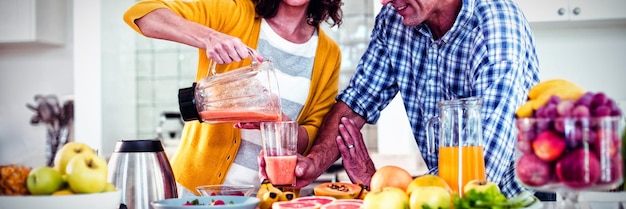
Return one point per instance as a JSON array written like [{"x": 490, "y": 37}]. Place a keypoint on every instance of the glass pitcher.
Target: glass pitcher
[
  {"x": 247, "y": 94},
  {"x": 461, "y": 157}
]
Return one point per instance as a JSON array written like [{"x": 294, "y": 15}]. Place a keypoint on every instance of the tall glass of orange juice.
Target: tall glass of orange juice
[
  {"x": 461, "y": 157},
  {"x": 280, "y": 139}
]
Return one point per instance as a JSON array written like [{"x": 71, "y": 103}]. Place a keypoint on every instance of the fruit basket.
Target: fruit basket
[
  {"x": 569, "y": 146},
  {"x": 103, "y": 200}
]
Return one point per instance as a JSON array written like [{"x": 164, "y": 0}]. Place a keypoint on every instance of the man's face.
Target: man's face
[{"x": 414, "y": 12}]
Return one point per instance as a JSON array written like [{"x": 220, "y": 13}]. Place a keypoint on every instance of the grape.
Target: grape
[
  {"x": 564, "y": 108},
  {"x": 585, "y": 99},
  {"x": 616, "y": 112},
  {"x": 559, "y": 125},
  {"x": 599, "y": 99},
  {"x": 540, "y": 112},
  {"x": 550, "y": 110},
  {"x": 554, "y": 100},
  {"x": 581, "y": 111},
  {"x": 602, "y": 111}
]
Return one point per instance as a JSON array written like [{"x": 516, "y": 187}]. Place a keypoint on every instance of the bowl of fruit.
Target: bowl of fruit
[
  {"x": 226, "y": 190},
  {"x": 570, "y": 143},
  {"x": 230, "y": 202},
  {"x": 78, "y": 179}
]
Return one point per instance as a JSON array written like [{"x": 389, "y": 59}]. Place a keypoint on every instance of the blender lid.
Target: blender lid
[
  {"x": 142, "y": 145},
  {"x": 187, "y": 103}
]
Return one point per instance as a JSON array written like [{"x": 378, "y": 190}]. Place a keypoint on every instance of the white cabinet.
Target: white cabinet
[
  {"x": 572, "y": 10},
  {"x": 33, "y": 21}
]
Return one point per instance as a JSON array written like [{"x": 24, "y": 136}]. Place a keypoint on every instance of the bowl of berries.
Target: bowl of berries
[
  {"x": 572, "y": 144},
  {"x": 226, "y": 190},
  {"x": 227, "y": 202}
]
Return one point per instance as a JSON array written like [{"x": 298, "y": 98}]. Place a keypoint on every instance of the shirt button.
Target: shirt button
[
  {"x": 234, "y": 141},
  {"x": 219, "y": 175},
  {"x": 228, "y": 157},
  {"x": 431, "y": 82}
]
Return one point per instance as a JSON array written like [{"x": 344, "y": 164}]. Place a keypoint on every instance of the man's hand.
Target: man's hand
[{"x": 356, "y": 159}]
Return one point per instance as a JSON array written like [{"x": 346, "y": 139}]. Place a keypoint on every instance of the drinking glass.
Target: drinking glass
[{"x": 280, "y": 139}]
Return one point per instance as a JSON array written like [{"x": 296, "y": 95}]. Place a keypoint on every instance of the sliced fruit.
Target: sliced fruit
[
  {"x": 296, "y": 205},
  {"x": 342, "y": 205},
  {"x": 322, "y": 200},
  {"x": 338, "y": 190}
]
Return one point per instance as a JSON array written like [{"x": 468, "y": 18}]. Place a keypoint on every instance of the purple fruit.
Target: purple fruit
[
  {"x": 565, "y": 107},
  {"x": 524, "y": 141},
  {"x": 533, "y": 171},
  {"x": 601, "y": 111},
  {"x": 578, "y": 169},
  {"x": 598, "y": 99},
  {"x": 581, "y": 111},
  {"x": 585, "y": 99}
]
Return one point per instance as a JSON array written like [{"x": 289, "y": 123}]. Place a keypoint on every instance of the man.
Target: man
[{"x": 429, "y": 51}]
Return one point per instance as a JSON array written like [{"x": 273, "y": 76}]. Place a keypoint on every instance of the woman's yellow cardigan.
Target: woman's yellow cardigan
[{"x": 207, "y": 151}]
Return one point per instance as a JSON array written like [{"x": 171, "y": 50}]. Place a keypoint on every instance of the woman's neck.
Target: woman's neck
[{"x": 290, "y": 23}]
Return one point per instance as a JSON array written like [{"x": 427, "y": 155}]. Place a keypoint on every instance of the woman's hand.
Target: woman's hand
[
  {"x": 356, "y": 159},
  {"x": 223, "y": 49}
]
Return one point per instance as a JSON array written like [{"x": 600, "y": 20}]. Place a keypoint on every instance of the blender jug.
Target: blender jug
[
  {"x": 461, "y": 157},
  {"x": 247, "y": 94}
]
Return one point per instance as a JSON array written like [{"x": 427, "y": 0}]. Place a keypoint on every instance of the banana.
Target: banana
[
  {"x": 563, "y": 92},
  {"x": 526, "y": 110},
  {"x": 266, "y": 186},
  {"x": 286, "y": 196},
  {"x": 268, "y": 199},
  {"x": 541, "y": 87},
  {"x": 262, "y": 189}
]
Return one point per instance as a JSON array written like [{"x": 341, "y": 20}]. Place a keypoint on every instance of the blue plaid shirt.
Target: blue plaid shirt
[{"x": 489, "y": 53}]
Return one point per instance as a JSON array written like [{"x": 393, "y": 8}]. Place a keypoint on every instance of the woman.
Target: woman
[{"x": 285, "y": 31}]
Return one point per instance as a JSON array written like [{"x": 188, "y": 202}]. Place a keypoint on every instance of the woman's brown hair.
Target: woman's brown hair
[{"x": 318, "y": 11}]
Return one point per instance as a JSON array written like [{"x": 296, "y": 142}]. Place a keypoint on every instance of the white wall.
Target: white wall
[
  {"x": 94, "y": 66},
  {"x": 27, "y": 70}
]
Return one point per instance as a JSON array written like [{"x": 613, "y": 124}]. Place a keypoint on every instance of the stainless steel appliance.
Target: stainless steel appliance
[{"x": 141, "y": 170}]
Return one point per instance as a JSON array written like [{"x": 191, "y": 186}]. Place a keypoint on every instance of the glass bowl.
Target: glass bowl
[
  {"x": 567, "y": 155},
  {"x": 226, "y": 190},
  {"x": 230, "y": 202}
]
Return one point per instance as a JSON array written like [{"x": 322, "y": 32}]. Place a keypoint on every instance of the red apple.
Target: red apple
[
  {"x": 533, "y": 171},
  {"x": 548, "y": 145},
  {"x": 578, "y": 169},
  {"x": 606, "y": 143}
]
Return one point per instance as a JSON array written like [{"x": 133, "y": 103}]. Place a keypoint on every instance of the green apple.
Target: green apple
[
  {"x": 430, "y": 197},
  {"x": 481, "y": 186},
  {"x": 388, "y": 198},
  {"x": 67, "y": 152},
  {"x": 87, "y": 173},
  {"x": 44, "y": 180}
]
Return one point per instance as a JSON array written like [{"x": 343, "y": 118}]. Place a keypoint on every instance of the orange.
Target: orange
[
  {"x": 390, "y": 176},
  {"x": 427, "y": 180}
]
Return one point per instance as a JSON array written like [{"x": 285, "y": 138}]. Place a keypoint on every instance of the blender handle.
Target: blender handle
[
  {"x": 212, "y": 64},
  {"x": 430, "y": 134}
]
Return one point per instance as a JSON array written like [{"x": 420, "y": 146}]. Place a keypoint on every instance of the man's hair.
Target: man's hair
[{"x": 318, "y": 11}]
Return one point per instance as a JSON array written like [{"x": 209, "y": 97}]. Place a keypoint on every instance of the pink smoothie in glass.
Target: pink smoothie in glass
[{"x": 281, "y": 170}]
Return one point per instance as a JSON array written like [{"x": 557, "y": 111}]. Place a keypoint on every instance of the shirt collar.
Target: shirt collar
[{"x": 464, "y": 16}]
